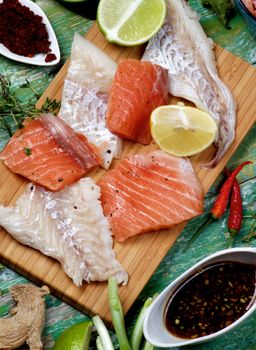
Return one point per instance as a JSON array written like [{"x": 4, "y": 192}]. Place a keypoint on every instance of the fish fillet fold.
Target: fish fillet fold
[
  {"x": 85, "y": 97},
  {"x": 149, "y": 192},
  {"x": 68, "y": 226},
  {"x": 182, "y": 47}
]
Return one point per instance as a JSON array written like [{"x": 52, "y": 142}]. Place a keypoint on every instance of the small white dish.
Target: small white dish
[
  {"x": 38, "y": 59},
  {"x": 154, "y": 328}
]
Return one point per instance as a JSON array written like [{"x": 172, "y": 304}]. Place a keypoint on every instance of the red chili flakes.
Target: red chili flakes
[
  {"x": 22, "y": 31},
  {"x": 50, "y": 57}
]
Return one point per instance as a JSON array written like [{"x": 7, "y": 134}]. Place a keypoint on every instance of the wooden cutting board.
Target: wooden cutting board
[{"x": 141, "y": 255}]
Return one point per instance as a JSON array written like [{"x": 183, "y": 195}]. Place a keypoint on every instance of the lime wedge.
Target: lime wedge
[
  {"x": 130, "y": 22},
  {"x": 76, "y": 337}
]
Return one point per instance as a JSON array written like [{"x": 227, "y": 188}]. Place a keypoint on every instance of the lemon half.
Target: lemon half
[{"x": 182, "y": 130}]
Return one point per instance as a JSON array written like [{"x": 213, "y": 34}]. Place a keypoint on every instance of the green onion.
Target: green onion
[
  {"x": 99, "y": 344},
  {"x": 148, "y": 346},
  {"x": 137, "y": 331},
  {"x": 105, "y": 339},
  {"x": 117, "y": 314}
]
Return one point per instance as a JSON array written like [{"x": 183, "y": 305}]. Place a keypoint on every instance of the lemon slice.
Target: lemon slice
[
  {"x": 130, "y": 22},
  {"x": 76, "y": 337},
  {"x": 182, "y": 130}
]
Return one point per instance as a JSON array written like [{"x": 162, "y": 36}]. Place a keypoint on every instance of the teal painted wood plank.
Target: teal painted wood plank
[
  {"x": 238, "y": 39},
  {"x": 59, "y": 315}
]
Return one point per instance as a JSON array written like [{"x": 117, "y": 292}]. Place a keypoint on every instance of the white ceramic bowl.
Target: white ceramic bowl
[
  {"x": 38, "y": 59},
  {"x": 154, "y": 328}
]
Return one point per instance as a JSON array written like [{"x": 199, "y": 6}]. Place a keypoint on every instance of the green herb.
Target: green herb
[
  {"x": 14, "y": 109},
  {"x": 27, "y": 151},
  {"x": 223, "y": 9}
]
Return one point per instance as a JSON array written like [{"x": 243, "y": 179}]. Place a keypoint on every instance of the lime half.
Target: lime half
[
  {"x": 76, "y": 337},
  {"x": 130, "y": 22}
]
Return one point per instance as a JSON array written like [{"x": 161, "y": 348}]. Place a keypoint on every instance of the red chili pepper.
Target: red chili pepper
[
  {"x": 236, "y": 209},
  {"x": 221, "y": 201}
]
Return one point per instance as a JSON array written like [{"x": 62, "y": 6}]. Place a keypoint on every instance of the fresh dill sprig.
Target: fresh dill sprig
[{"x": 13, "y": 110}]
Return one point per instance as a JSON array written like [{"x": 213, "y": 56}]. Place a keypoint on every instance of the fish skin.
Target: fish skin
[
  {"x": 68, "y": 226},
  {"x": 149, "y": 192},
  {"x": 59, "y": 156},
  {"x": 138, "y": 88},
  {"x": 182, "y": 47},
  {"x": 85, "y": 97}
]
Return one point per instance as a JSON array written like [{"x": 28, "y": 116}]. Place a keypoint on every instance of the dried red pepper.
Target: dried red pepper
[
  {"x": 236, "y": 208},
  {"x": 220, "y": 205},
  {"x": 221, "y": 202},
  {"x": 21, "y": 30}
]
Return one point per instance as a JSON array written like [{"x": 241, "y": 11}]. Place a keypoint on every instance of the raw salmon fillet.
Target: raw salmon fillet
[
  {"x": 48, "y": 152},
  {"x": 138, "y": 88},
  {"x": 149, "y": 192}
]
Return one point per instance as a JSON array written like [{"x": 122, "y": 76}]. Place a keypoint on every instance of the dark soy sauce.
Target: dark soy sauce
[{"x": 210, "y": 300}]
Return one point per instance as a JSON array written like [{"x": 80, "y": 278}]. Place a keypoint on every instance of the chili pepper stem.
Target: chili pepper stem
[{"x": 197, "y": 233}]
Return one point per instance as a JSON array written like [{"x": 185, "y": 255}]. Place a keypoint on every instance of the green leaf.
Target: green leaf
[
  {"x": 28, "y": 151},
  {"x": 222, "y": 8}
]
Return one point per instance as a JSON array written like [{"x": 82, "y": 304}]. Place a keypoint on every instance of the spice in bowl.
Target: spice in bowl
[
  {"x": 212, "y": 299},
  {"x": 22, "y": 31}
]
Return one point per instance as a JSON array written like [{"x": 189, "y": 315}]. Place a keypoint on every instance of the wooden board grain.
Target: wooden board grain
[{"x": 141, "y": 255}]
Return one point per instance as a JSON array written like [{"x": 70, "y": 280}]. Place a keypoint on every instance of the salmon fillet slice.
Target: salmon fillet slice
[
  {"x": 149, "y": 192},
  {"x": 138, "y": 88},
  {"x": 48, "y": 152}
]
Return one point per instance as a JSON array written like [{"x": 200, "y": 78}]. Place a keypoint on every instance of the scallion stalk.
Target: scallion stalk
[
  {"x": 148, "y": 346},
  {"x": 137, "y": 331},
  {"x": 117, "y": 314},
  {"x": 99, "y": 343},
  {"x": 105, "y": 339}
]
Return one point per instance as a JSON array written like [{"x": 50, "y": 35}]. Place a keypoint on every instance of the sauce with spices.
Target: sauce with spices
[
  {"x": 212, "y": 299},
  {"x": 22, "y": 31}
]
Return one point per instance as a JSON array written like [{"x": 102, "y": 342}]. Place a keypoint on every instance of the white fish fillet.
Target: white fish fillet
[
  {"x": 68, "y": 226},
  {"x": 85, "y": 97},
  {"x": 182, "y": 47}
]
